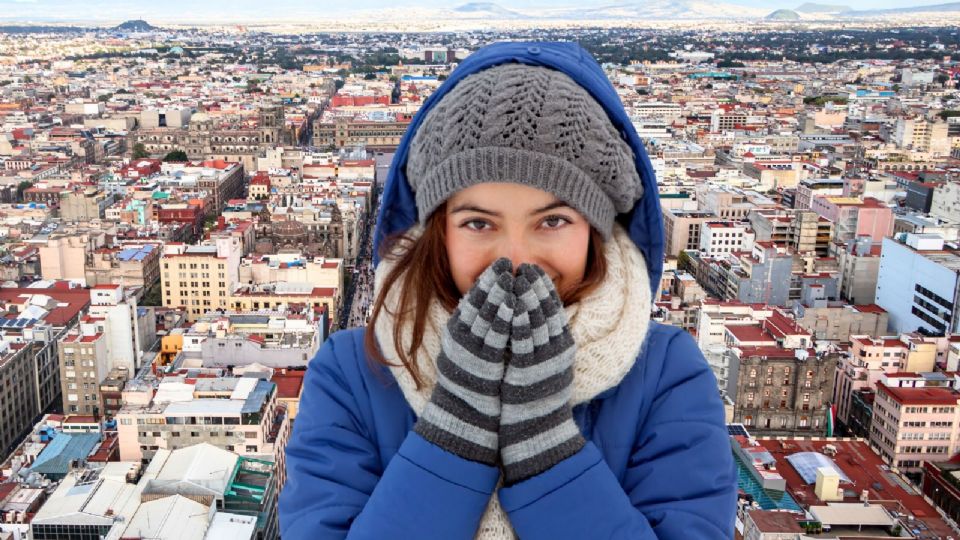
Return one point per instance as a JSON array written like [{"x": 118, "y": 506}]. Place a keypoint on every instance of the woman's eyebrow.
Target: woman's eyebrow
[
  {"x": 551, "y": 206},
  {"x": 473, "y": 208}
]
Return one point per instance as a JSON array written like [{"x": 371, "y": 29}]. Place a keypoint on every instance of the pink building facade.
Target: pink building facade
[{"x": 853, "y": 217}]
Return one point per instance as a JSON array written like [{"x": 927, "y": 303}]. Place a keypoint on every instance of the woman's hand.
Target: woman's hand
[
  {"x": 537, "y": 430},
  {"x": 463, "y": 415}
]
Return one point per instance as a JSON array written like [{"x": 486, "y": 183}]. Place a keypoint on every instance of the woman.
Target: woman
[{"x": 510, "y": 382}]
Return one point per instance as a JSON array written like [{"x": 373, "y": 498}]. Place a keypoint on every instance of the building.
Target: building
[
  {"x": 132, "y": 265},
  {"x": 809, "y": 188},
  {"x": 281, "y": 339},
  {"x": 108, "y": 341},
  {"x": 853, "y": 217},
  {"x": 196, "y": 493},
  {"x": 682, "y": 229},
  {"x": 913, "y": 425},
  {"x": 764, "y": 276},
  {"x": 380, "y": 135},
  {"x": 222, "y": 178},
  {"x": 201, "y": 278},
  {"x": 206, "y": 138},
  {"x": 922, "y": 135},
  {"x": 83, "y": 204},
  {"x": 719, "y": 237},
  {"x": 62, "y": 256},
  {"x": 778, "y": 383},
  {"x": 919, "y": 284},
  {"x": 941, "y": 483},
  {"x": 945, "y": 201},
  {"x": 191, "y": 215},
  {"x": 83, "y": 365},
  {"x": 837, "y": 322},
  {"x": 236, "y": 414},
  {"x": 859, "y": 262},
  {"x": 34, "y": 320},
  {"x": 292, "y": 268},
  {"x": 869, "y": 359},
  {"x": 801, "y": 230},
  {"x": 837, "y": 488}
]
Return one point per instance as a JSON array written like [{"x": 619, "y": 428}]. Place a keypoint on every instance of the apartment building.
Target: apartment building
[{"x": 199, "y": 279}]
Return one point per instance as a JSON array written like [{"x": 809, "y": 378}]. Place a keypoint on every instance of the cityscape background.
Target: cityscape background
[{"x": 187, "y": 200}]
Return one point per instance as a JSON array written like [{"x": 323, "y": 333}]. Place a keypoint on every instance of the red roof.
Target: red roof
[
  {"x": 75, "y": 300},
  {"x": 865, "y": 468},
  {"x": 750, "y": 334},
  {"x": 770, "y": 352},
  {"x": 289, "y": 383},
  {"x": 921, "y": 396}
]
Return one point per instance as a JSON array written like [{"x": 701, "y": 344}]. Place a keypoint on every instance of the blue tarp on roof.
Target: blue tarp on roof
[
  {"x": 257, "y": 396},
  {"x": 55, "y": 458},
  {"x": 136, "y": 254}
]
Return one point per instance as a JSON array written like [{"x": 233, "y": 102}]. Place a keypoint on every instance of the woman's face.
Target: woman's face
[{"x": 491, "y": 220}]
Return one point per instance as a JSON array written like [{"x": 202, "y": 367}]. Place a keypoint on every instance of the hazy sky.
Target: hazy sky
[{"x": 206, "y": 10}]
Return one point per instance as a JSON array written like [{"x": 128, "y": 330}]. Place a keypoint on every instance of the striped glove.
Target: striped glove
[
  {"x": 537, "y": 430},
  {"x": 463, "y": 415}
]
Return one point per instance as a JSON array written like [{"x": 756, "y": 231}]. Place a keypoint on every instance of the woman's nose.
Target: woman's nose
[{"x": 519, "y": 251}]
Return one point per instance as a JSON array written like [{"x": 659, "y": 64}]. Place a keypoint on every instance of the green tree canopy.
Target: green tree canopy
[
  {"x": 176, "y": 155},
  {"x": 140, "y": 151}
]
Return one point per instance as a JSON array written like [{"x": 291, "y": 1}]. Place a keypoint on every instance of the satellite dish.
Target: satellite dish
[{"x": 798, "y": 311}]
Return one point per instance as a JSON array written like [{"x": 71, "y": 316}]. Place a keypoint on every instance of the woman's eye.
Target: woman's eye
[
  {"x": 476, "y": 225},
  {"x": 555, "y": 222}
]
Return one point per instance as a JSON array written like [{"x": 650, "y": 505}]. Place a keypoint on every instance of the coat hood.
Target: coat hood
[{"x": 643, "y": 223}]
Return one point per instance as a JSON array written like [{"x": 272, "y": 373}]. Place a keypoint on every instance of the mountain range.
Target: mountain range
[
  {"x": 480, "y": 12},
  {"x": 684, "y": 9}
]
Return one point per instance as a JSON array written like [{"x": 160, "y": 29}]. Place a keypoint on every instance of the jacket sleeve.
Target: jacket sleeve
[
  {"x": 680, "y": 481},
  {"x": 337, "y": 488}
]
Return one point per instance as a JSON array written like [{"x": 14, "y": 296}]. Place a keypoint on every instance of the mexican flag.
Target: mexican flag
[{"x": 830, "y": 413}]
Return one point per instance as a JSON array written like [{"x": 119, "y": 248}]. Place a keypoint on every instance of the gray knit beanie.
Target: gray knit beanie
[{"x": 527, "y": 125}]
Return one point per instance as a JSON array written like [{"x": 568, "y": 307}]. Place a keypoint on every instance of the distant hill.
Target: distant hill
[
  {"x": 135, "y": 26},
  {"x": 936, "y": 8},
  {"x": 811, "y": 7},
  {"x": 487, "y": 9},
  {"x": 783, "y": 15}
]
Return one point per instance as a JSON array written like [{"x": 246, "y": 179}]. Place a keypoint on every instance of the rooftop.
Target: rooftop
[
  {"x": 866, "y": 471},
  {"x": 921, "y": 396}
]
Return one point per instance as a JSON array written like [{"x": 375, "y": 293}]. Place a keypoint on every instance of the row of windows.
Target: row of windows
[
  {"x": 933, "y": 296},
  {"x": 923, "y": 316}
]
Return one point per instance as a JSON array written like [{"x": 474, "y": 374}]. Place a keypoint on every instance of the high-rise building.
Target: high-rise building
[{"x": 919, "y": 284}]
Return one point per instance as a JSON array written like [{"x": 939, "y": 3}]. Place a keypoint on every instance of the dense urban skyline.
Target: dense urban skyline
[{"x": 183, "y": 11}]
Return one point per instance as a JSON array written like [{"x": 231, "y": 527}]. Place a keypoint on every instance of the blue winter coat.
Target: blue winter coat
[{"x": 657, "y": 463}]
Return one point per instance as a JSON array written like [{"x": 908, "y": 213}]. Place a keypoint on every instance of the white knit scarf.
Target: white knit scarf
[{"x": 608, "y": 326}]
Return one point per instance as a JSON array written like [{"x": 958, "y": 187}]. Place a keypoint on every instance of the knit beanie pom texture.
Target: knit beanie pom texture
[{"x": 527, "y": 125}]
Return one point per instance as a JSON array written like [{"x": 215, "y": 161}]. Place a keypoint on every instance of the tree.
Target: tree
[
  {"x": 176, "y": 155},
  {"x": 21, "y": 187},
  {"x": 140, "y": 151},
  {"x": 152, "y": 297}
]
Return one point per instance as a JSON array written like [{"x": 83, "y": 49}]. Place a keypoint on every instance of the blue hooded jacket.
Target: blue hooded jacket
[{"x": 657, "y": 463}]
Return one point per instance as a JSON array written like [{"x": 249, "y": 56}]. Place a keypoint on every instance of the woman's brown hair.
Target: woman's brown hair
[{"x": 423, "y": 271}]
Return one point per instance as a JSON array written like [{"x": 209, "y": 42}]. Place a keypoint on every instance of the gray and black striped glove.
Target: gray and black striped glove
[
  {"x": 463, "y": 415},
  {"x": 537, "y": 430}
]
